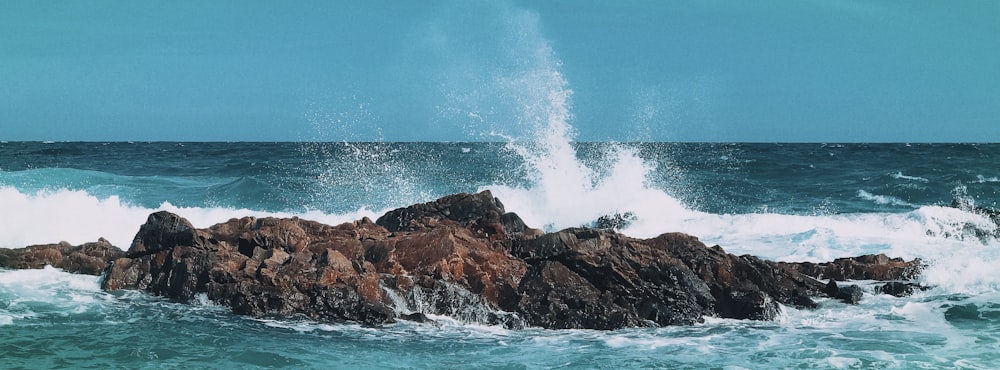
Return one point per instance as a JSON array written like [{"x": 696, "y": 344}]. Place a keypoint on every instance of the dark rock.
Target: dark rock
[
  {"x": 899, "y": 289},
  {"x": 88, "y": 258},
  {"x": 463, "y": 256},
  {"x": 969, "y": 229},
  {"x": 848, "y": 294},
  {"x": 585, "y": 278},
  {"x": 479, "y": 212},
  {"x": 867, "y": 267},
  {"x": 162, "y": 230},
  {"x": 615, "y": 221},
  {"x": 285, "y": 267},
  {"x": 965, "y": 205},
  {"x": 416, "y": 317},
  {"x": 725, "y": 273}
]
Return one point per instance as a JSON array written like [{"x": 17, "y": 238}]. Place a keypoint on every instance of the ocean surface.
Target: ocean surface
[
  {"x": 789, "y": 202},
  {"x": 526, "y": 87}
]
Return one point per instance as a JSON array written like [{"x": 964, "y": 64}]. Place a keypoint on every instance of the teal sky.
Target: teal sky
[{"x": 811, "y": 70}]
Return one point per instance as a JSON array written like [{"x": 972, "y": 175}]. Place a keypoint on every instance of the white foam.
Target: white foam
[
  {"x": 884, "y": 199},
  {"x": 65, "y": 215},
  {"x": 564, "y": 192},
  {"x": 40, "y": 283},
  {"x": 77, "y": 217},
  {"x": 900, "y": 175},
  {"x": 983, "y": 179},
  {"x": 957, "y": 245},
  {"x": 47, "y": 291}
]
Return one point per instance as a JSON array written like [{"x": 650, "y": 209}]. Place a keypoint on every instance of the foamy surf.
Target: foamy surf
[
  {"x": 30, "y": 294},
  {"x": 77, "y": 217}
]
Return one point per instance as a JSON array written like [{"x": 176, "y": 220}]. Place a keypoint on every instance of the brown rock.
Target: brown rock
[
  {"x": 867, "y": 267},
  {"x": 462, "y": 255},
  {"x": 282, "y": 267},
  {"x": 480, "y": 212},
  {"x": 88, "y": 258},
  {"x": 600, "y": 279}
]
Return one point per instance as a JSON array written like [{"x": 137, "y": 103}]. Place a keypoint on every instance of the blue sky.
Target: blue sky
[{"x": 817, "y": 71}]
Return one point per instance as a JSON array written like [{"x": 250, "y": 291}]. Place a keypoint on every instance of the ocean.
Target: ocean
[
  {"x": 565, "y": 111},
  {"x": 788, "y": 202}
]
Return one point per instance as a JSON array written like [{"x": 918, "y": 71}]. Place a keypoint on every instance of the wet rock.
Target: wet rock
[
  {"x": 967, "y": 206},
  {"x": 615, "y": 221},
  {"x": 416, "y": 317},
  {"x": 287, "y": 267},
  {"x": 480, "y": 212},
  {"x": 585, "y": 278},
  {"x": 899, "y": 289},
  {"x": 726, "y": 273},
  {"x": 88, "y": 258},
  {"x": 868, "y": 267},
  {"x": 463, "y": 256},
  {"x": 258, "y": 267},
  {"x": 851, "y": 294}
]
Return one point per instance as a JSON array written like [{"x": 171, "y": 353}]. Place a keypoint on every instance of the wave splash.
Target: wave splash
[
  {"x": 558, "y": 190},
  {"x": 77, "y": 217}
]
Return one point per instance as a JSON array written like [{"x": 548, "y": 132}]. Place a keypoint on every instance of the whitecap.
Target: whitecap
[
  {"x": 77, "y": 217},
  {"x": 884, "y": 199},
  {"x": 900, "y": 175}
]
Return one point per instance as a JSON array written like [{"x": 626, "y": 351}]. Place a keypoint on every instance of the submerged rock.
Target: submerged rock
[
  {"x": 899, "y": 288},
  {"x": 967, "y": 206},
  {"x": 462, "y": 256},
  {"x": 848, "y": 294}
]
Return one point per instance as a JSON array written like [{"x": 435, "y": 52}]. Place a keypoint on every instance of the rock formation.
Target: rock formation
[
  {"x": 867, "y": 267},
  {"x": 89, "y": 258},
  {"x": 463, "y": 256}
]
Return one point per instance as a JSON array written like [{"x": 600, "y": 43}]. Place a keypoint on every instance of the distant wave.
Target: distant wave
[
  {"x": 983, "y": 179},
  {"x": 900, "y": 175},
  {"x": 885, "y": 199}
]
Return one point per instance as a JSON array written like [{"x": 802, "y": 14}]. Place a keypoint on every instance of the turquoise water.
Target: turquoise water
[
  {"x": 517, "y": 89},
  {"x": 75, "y": 325},
  {"x": 793, "y": 202}
]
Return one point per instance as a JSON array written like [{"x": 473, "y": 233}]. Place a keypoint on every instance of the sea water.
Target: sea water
[{"x": 788, "y": 202}]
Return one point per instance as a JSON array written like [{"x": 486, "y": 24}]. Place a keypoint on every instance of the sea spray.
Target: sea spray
[
  {"x": 952, "y": 324},
  {"x": 77, "y": 217},
  {"x": 373, "y": 175},
  {"x": 560, "y": 190},
  {"x": 450, "y": 302}
]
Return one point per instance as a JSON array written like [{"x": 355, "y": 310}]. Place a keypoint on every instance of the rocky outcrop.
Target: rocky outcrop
[
  {"x": 585, "y": 278},
  {"x": 867, "y": 267},
  {"x": 480, "y": 213},
  {"x": 89, "y": 258},
  {"x": 282, "y": 267},
  {"x": 463, "y": 256}
]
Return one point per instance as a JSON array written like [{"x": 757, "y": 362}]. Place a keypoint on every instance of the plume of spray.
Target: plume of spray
[
  {"x": 561, "y": 190},
  {"x": 361, "y": 167}
]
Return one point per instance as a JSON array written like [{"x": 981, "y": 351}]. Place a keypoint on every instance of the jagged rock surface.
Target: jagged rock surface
[
  {"x": 462, "y": 255},
  {"x": 88, "y": 258},
  {"x": 867, "y": 267}
]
